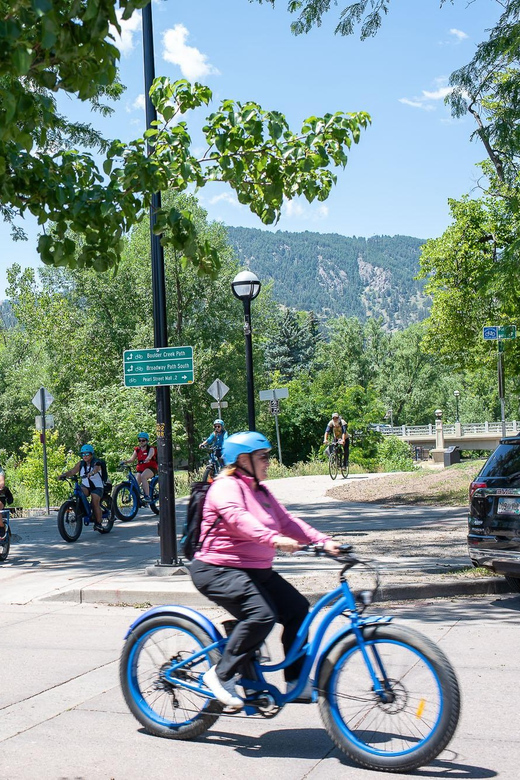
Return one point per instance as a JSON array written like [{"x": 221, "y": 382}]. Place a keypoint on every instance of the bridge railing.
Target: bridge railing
[{"x": 466, "y": 429}]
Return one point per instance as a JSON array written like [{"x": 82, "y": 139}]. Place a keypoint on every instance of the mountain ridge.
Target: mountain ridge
[{"x": 332, "y": 274}]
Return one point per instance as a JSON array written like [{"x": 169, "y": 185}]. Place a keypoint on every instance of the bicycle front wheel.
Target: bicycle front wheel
[
  {"x": 124, "y": 501},
  {"x": 161, "y": 706},
  {"x": 333, "y": 465},
  {"x": 411, "y": 721},
  {"x": 154, "y": 495},
  {"x": 5, "y": 546},
  {"x": 70, "y": 521}
]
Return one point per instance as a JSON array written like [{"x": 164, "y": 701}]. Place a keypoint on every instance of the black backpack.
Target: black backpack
[
  {"x": 191, "y": 541},
  {"x": 104, "y": 472}
]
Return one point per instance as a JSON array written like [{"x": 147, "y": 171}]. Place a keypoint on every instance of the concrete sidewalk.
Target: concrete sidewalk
[{"x": 111, "y": 569}]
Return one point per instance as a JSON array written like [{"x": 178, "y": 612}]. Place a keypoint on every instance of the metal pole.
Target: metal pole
[
  {"x": 44, "y": 442},
  {"x": 167, "y": 524},
  {"x": 278, "y": 438},
  {"x": 501, "y": 388},
  {"x": 249, "y": 365}
]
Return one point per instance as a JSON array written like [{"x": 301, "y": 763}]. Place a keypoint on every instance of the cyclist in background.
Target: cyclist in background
[
  {"x": 216, "y": 439},
  {"x": 146, "y": 457},
  {"x": 337, "y": 427},
  {"x": 89, "y": 470}
]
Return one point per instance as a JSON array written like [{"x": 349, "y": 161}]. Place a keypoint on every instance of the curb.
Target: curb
[{"x": 184, "y": 592}]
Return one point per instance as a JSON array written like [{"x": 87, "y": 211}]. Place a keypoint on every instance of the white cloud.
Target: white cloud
[
  {"x": 426, "y": 101},
  {"x": 193, "y": 63},
  {"x": 126, "y": 42},
  {"x": 300, "y": 209},
  {"x": 224, "y": 197},
  {"x": 139, "y": 103},
  {"x": 459, "y": 34},
  {"x": 293, "y": 208}
]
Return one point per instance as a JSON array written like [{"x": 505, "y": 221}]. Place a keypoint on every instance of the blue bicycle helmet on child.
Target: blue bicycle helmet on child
[
  {"x": 243, "y": 443},
  {"x": 218, "y": 421},
  {"x": 86, "y": 449},
  {"x": 143, "y": 435}
]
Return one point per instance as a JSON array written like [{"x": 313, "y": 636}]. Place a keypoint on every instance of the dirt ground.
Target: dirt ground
[{"x": 429, "y": 485}]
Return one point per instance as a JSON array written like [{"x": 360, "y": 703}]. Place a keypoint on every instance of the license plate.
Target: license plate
[{"x": 508, "y": 506}]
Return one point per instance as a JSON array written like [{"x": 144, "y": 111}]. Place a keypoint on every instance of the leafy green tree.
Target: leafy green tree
[{"x": 48, "y": 46}]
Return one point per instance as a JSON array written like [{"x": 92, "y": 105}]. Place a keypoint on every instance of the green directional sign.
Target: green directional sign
[
  {"x": 506, "y": 332},
  {"x": 161, "y": 366}
]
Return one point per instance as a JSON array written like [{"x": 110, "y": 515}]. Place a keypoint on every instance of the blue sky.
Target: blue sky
[{"x": 407, "y": 164}]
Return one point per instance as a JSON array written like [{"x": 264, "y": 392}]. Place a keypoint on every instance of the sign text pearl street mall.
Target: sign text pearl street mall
[{"x": 161, "y": 366}]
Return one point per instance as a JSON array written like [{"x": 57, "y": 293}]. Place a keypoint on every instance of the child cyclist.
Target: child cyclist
[{"x": 233, "y": 568}]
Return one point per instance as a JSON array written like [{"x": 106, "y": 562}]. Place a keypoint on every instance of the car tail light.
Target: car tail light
[{"x": 475, "y": 486}]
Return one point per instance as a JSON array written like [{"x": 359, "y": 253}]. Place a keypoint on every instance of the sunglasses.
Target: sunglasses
[
  {"x": 85, "y": 454},
  {"x": 217, "y": 426},
  {"x": 264, "y": 456},
  {"x": 142, "y": 439}
]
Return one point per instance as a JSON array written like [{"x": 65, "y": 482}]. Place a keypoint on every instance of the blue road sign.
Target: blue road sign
[{"x": 490, "y": 332}]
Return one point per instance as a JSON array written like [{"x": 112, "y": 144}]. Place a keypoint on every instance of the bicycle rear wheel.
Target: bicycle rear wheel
[
  {"x": 154, "y": 495},
  {"x": 414, "y": 719},
  {"x": 107, "y": 514},
  {"x": 333, "y": 465},
  {"x": 5, "y": 546},
  {"x": 161, "y": 706},
  {"x": 344, "y": 469},
  {"x": 70, "y": 521}
]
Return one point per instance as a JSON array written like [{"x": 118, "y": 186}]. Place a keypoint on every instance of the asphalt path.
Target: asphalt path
[
  {"x": 62, "y": 715},
  {"x": 113, "y": 568}
]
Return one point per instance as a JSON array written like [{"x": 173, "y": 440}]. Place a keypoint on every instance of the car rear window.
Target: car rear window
[{"x": 504, "y": 462}]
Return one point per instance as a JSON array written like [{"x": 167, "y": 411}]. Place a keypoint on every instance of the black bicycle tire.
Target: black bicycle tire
[
  {"x": 115, "y": 493},
  {"x": 344, "y": 469},
  {"x": 69, "y": 504},
  {"x": 108, "y": 523},
  {"x": 207, "y": 716},
  {"x": 6, "y": 546},
  {"x": 154, "y": 505},
  {"x": 208, "y": 472},
  {"x": 333, "y": 465},
  {"x": 447, "y": 680}
]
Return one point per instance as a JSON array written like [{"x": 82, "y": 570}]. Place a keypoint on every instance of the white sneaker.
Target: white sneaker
[
  {"x": 223, "y": 690},
  {"x": 305, "y": 695}
]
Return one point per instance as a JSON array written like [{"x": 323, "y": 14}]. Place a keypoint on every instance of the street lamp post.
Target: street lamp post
[
  {"x": 456, "y": 393},
  {"x": 246, "y": 286},
  {"x": 167, "y": 524}
]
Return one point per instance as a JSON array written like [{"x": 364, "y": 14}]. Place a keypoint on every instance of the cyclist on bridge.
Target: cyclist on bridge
[
  {"x": 337, "y": 427},
  {"x": 147, "y": 467},
  {"x": 217, "y": 438}
]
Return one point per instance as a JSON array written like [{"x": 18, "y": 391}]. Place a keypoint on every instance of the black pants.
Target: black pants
[{"x": 257, "y": 598}]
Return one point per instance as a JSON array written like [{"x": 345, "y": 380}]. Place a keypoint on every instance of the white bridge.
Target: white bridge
[{"x": 466, "y": 436}]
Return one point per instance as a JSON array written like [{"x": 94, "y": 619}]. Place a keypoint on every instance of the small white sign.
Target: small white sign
[
  {"x": 49, "y": 422},
  {"x": 37, "y": 400},
  {"x": 274, "y": 394},
  {"x": 218, "y": 389},
  {"x": 222, "y": 404}
]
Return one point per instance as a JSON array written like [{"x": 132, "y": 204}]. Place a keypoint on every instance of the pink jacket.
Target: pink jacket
[{"x": 249, "y": 522}]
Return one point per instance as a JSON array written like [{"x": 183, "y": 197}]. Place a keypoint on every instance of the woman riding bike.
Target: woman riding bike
[
  {"x": 146, "y": 457},
  {"x": 243, "y": 526},
  {"x": 217, "y": 438},
  {"x": 89, "y": 469}
]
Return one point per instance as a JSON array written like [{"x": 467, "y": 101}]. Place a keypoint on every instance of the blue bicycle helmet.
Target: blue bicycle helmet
[
  {"x": 244, "y": 442},
  {"x": 143, "y": 436},
  {"x": 219, "y": 422},
  {"x": 86, "y": 448}
]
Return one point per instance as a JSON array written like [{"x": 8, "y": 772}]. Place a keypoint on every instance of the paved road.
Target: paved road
[
  {"x": 62, "y": 715},
  {"x": 112, "y": 568}
]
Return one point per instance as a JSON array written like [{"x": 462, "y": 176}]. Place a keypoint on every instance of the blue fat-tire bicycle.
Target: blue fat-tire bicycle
[
  {"x": 388, "y": 696},
  {"x": 127, "y": 496},
  {"x": 5, "y": 541},
  {"x": 76, "y": 512}
]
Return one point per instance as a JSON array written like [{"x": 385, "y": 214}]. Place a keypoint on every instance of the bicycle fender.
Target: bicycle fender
[
  {"x": 177, "y": 610},
  {"x": 345, "y": 632}
]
